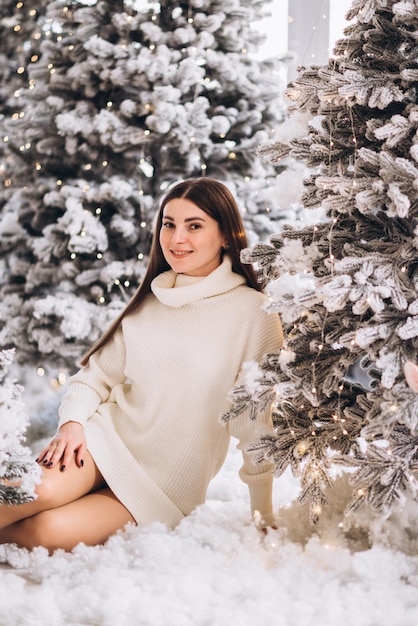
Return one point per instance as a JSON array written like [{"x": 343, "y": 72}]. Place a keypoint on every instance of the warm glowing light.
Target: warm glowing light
[{"x": 62, "y": 378}]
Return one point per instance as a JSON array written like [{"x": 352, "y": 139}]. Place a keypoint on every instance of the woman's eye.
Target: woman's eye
[
  {"x": 167, "y": 225},
  {"x": 195, "y": 226}
]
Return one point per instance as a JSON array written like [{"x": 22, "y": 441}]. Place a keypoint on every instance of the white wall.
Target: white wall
[
  {"x": 276, "y": 27},
  {"x": 308, "y": 33},
  {"x": 338, "y": 9}
]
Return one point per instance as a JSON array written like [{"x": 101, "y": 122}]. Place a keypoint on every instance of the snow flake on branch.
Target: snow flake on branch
[
  {"x": 399, "y": 406},
  {"x": 405, "y": 11},
  {"x": 368, "y": 287},
  {"x": 368, "y": 335},
  {"x": 409, "y": 328},
  {"x": 245, "y": 400},
  {"x": 83, "y": 232},
  {"x": 396, "y": 130},
  {"x": 371, "y": 89},
  {"x": 335, "y": 293},
  {"x": 75, "y": 322},
  {"x": 400, "y": 202},
  {"x": 282, "y": 255},
  {"x": 390, "y": 361},
  {"x": 101, "y": 48}
]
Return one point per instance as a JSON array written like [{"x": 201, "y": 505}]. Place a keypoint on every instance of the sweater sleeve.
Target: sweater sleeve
[
  {"x": 93, "y": 384},
  {"x": 265, "y": 337}
]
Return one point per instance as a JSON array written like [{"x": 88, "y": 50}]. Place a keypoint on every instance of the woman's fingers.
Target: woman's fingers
[
  {"x": 67, "y": 444},
  {"x": 50, "y": 454},
  {"x": 72, "y": 453},
  {"x": 80, "y": 453}
]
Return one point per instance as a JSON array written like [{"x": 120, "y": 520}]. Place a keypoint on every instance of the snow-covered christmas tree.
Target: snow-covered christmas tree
[
  {"x": 124, "y": 98},
  {"x": 352, "y": 322},
  {"x": 18, "y": 470}
]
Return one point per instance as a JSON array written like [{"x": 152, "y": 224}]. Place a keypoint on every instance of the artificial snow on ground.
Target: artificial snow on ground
[{"x": 217, "y": 569}]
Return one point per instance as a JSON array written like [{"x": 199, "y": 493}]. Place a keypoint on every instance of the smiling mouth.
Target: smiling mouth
[{"x": 179, "y": 253}]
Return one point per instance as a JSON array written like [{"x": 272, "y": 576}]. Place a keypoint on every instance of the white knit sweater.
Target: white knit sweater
[{"x": 150, "y": 400}]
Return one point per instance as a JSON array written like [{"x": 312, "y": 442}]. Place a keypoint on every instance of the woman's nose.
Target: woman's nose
[{"x": 179, "y": 234}]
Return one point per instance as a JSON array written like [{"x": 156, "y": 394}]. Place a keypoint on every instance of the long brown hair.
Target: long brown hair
[{"x": 215, "y": 199}]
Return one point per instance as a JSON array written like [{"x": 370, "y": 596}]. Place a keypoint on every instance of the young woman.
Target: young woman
[{"x": 139, "y": 435}]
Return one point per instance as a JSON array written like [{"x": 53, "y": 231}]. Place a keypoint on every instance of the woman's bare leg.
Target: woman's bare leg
[
  {"x": 91, "y": 519},
  {"x": 56, "y": 489}
]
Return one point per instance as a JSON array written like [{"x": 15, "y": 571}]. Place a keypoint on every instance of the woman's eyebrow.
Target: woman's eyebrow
[{"x": 188, "y": 219}]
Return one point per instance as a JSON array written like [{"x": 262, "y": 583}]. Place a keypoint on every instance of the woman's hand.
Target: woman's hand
[{"x": 68, "y": 441}]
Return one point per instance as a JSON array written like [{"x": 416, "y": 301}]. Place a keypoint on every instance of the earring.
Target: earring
[{"x": 225, "y": 246}]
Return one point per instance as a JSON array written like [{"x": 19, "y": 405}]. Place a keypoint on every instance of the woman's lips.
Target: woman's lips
[{"x": 180, "y": 253}]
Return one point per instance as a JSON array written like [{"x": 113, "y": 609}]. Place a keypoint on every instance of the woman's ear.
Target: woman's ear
[{"x": 411, "y": 374}]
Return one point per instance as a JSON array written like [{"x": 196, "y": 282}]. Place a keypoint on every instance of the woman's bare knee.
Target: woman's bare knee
[
  {"x": 28, "y": 533},
  {"x": 47, "y": 529},
  {"x": 58, "y": 488}
]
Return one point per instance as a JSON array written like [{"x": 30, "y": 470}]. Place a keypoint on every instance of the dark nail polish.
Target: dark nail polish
[
  {"x": 49, "y": 464},
  {"x": 81, "y": 463},
  {"x": 45, "y": 461},
  {"x": 62, "y": 468},
  {"x": 37, "y": 460}
]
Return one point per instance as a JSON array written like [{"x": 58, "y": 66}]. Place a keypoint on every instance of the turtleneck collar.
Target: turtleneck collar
[{"x": 175, "y": 290}]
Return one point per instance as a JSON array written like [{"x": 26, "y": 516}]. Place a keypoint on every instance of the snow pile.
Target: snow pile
[{"x": 216, "y": 568}]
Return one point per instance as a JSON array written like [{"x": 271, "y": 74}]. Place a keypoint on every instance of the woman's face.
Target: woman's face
[{"x": 190, "y": 239}]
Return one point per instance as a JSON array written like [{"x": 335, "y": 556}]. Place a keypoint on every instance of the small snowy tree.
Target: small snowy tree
[
  {"x": 355, "y": 312},
  {"x": 18, "y": 471},
  {"x": 125, "y": 98}
]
